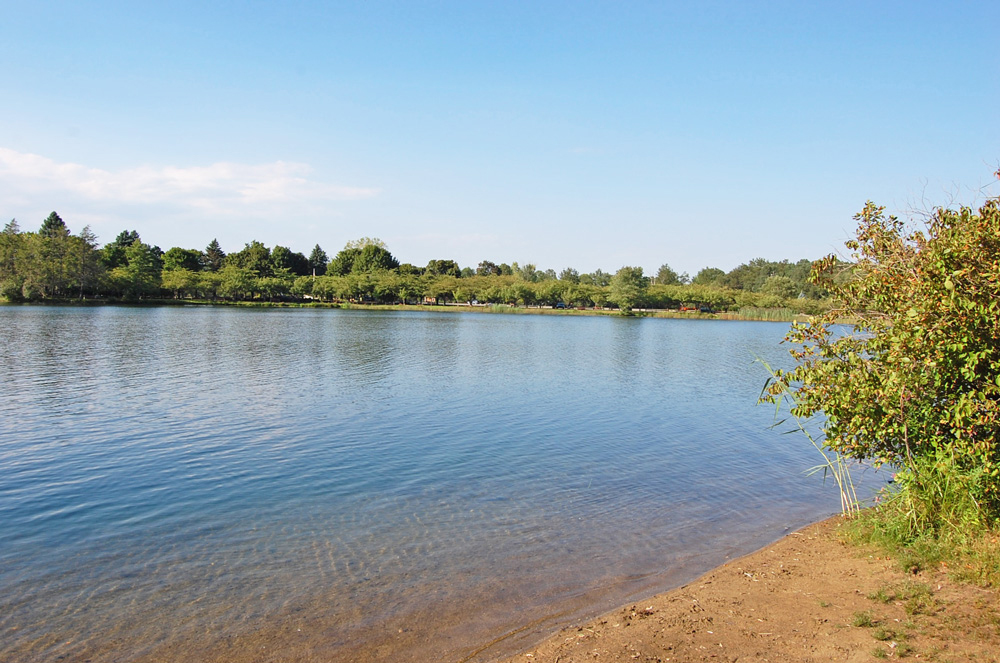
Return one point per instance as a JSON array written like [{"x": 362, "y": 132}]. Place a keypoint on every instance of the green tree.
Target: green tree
[
  {"x": 443, "y": 268},
  {"x": 343, "y": 263},
  {"x": 181, "y": 281},
  {"x": 89, "y": 270},
  {"x": 779, "y": 286},
  {"x": 318, "y": 261},
  {"x": 667, "y": 276},
  {"x": 274, "y": 287},
  {"x": 527, "y": 273},
  {"x": 463, "y": 293},
  {"x": 627, "y": 288},
  {"x": 49, "y": 263},
  {"x": 178, "y": 258},
  {"x": 487, "y": 268},
  {"x": 597, "y": 277},
  {"x": 214, "y": 256},
  {"x": 569, "y": 274},
  {"x": 520, "y": 292},
  {"x": 302, "y": 287},
  {"x": 11, "y": 282},
  {"x": 236, "y": 282},
  {"x": 373, "y": 258},
  {"x": 52, "y": 254},
  {"x": 255, "y": 257},
  {"x": 366, "y": 241},
  {"x": 140, "y": 275},
  {"x": 708, "y": 276},
  {"x": 209, "y": 284},
  {"x": 753, "y": 275},
  {"x": 573, "y": 293},
  {"x": 53, "y": 226},
  {"x": 407, "y": 287},
  {"x": 283, "y": 258},
  {"x": 113, "y": 254},
  {"x": 917, "y": 384},
  {"x": 549, "y": 292},
  {"x": 324, "y": 287},
  {"x": 440, "y": 287}
]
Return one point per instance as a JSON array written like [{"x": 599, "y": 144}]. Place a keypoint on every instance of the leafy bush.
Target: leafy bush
[{"x": 916, "y": 382}]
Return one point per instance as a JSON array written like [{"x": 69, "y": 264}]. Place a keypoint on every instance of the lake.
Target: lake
[{"x": 186, "y": 483}]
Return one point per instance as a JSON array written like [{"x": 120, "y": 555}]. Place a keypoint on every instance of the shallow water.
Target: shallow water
[{"x": 182, "y": 483}]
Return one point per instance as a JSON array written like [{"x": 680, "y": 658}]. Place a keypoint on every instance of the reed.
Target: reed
[
  {"x": 834, "y": 464},
  {"x": 762, "y": 314}
]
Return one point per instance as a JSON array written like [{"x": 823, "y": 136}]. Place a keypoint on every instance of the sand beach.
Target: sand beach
[{"x": 807, "y": 597}]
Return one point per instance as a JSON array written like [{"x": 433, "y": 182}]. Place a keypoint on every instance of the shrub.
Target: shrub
[{"x": 915, "y": 383}]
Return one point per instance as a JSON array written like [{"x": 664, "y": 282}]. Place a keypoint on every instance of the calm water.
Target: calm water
[{"x": 189, "y": 483}]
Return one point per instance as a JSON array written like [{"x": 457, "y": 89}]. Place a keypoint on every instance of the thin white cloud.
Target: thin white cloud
[{"x": 219, "y": 188}]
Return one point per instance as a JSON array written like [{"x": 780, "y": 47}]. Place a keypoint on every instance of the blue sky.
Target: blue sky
[{"x": 583, "y": 134}]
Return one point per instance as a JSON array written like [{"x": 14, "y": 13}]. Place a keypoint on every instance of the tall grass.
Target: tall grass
[
  {"x": 933, "y": 515},
  {"x": 761, "y": 314}
]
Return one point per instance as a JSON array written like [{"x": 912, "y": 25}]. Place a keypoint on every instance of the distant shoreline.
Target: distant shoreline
[{"x": 754, "y": 315}]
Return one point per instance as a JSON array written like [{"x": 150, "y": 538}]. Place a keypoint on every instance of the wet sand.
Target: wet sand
[{"x": 807, "y": 597}]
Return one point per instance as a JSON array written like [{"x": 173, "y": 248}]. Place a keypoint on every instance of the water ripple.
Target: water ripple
[{"x": 169, "y": 474}]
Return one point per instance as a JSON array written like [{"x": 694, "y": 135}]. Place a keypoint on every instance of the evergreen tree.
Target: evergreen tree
[
  {"x": 667, "y": 276},
  {"x": 113, "y": 254},
  {"x": 88, "y": 262},
  {"x": 214, "y": 256},
  {"x": 53, "y": 226},
  {"x": 318, "y": 261},
  {"x": 10, "y": 243},
  {"x": 293, "y": 262}
]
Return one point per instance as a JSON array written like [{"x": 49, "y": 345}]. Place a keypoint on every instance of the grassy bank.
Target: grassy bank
[{"x": 940, "y": 528}]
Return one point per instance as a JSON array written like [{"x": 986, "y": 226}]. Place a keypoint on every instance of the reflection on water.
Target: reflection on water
[{"x": 208, "y": 483}]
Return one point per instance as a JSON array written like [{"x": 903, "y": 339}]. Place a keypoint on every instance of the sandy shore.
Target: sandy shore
[{"x": 807, "y": 597}]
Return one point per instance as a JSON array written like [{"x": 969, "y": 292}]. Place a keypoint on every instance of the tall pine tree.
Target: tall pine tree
[
  {"x": 318, "y": 261},
  {"x": 214, "y": 255},
  {"x": 53, "y": 226}
]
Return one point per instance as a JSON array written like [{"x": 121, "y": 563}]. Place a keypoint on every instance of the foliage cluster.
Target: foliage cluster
[
  {"x": 915, "y": 383},
  {"x": 52, "y": 263}
]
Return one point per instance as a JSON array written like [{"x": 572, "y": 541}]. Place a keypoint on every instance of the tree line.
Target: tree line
[{"x": 52, "y": 263}]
